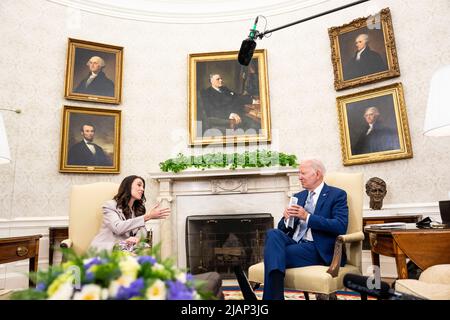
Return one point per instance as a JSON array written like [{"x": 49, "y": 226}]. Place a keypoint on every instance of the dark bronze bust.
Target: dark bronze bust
[{"x": 376, "y": 190}]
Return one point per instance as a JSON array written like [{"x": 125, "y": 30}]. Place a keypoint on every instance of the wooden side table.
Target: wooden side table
[
  {"x": 424, "y": 247},
  {"x": 386, "y": 219},
  {"x": 20, "y": 248},
  {"x": 55, "y": 234}
]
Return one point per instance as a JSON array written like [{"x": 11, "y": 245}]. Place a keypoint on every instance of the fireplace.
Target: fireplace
[
  {"x": 219, "y": 242},
  {"x": 216, "y": 193}
]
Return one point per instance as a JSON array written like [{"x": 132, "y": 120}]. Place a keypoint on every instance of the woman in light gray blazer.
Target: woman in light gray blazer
[{"x": 125, "y": 215}]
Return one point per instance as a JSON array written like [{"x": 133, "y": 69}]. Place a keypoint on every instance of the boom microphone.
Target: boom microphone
[
  {"x": 246, "y": 52},
  {"x": 360, "y": 284},
  {"x": 248, "y": 46}
]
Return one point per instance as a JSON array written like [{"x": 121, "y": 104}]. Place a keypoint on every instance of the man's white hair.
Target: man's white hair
[
  {"x": 211, "y": 75},
  {"x": 372, "y": 109},
  {"x": 365, "y": 36},
  {"x": 100, "y": 60},
  {"x": 316, "y": 164}
]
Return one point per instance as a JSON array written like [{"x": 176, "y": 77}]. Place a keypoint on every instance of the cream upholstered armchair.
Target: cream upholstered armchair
[
  {"x": 85, "y": 219},
  {"x": 326, "y": 280},
  {"x": 85, "y": 213},
  {"x": 433, "y": 283}
]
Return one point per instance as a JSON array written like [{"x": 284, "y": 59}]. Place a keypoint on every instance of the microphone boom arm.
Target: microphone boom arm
[{"x": 260, "y": 35}]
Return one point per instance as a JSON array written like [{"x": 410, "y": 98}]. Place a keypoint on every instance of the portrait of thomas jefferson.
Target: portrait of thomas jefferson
[{"x": 372, "y": 125}]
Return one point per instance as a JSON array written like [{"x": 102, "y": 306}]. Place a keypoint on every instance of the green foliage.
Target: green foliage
[
  {"x": 248, "y": 159},
  {"x": 28, "y": 294}
]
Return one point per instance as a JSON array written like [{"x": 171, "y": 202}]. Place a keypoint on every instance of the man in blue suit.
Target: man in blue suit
[{"x": 320, "y": 216}]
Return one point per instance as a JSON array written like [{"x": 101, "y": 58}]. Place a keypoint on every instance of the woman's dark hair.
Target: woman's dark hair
[{"x": 123, "y": 197}]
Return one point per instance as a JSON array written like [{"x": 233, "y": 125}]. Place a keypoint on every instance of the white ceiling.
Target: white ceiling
[{"x": 195, "y": 11}]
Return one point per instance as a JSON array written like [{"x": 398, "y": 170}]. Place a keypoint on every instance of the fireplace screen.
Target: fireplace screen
[{"x": 220, "y": 242}]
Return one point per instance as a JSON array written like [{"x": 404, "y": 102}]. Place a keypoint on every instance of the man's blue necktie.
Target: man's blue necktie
[{"x": 309, "y": 207}]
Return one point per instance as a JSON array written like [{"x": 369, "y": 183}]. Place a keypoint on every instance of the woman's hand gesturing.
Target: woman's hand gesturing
[{"x": 157, "y": 213}]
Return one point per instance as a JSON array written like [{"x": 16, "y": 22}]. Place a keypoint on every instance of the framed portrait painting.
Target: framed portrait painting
[
  {"x": 374, "y": 126},
  {"x": 90, "y": 140},
  {"x": 93, "y": 72},
  {"x": 363, "y": 51},
  {"x": 228, "y": 103}
]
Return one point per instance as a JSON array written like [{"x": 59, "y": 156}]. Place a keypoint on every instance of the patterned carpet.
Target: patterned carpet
[{"x": 232, "y": 291}]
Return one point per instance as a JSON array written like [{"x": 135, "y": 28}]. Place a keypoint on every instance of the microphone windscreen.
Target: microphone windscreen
[
  {"x": 246, "y": 52},
  {"x": 361, "y": 281},
  {"x": 360, "y": 284}
]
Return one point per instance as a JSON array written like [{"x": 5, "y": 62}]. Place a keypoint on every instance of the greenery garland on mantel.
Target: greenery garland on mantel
[{"x": 248, "y": 159}]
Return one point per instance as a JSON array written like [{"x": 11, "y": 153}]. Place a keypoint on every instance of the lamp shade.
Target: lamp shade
[
  {"x": 437, "y": 118},
  {"x": 5, "y": 156}
]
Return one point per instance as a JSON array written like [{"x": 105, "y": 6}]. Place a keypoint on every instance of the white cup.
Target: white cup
[{"x": 292, "y": 201}]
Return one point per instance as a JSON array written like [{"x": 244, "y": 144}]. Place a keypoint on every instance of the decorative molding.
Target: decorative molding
[
  {"x": 205, "y": 174},
  {"x": 294, "y": 183},
  {"x": 196, "y": 11},
  {"x": 165, "y": 190},
  {"x": 33, "y": 222},
  {"x": 426, "y": 209},
  {"x": 229, "y": 186}
]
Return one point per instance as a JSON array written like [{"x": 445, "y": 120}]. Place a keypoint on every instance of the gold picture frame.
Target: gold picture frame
[
  {"x": 387, "y": 138},
  {"x": 244, "y": 91},
  {"x": 377, "y": 59},
  {"x": 93, "y": 72},
  {"x": 90, "y": 140}
]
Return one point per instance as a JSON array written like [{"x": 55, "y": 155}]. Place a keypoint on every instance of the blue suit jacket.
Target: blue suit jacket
[{"x": 329, "y": 220}]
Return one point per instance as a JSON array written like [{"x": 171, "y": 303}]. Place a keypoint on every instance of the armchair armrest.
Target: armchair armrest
[
  {"x": 67, "y": 243},
  {"x": 352, "y": 237},
  {"x": 339, "y": 246}
]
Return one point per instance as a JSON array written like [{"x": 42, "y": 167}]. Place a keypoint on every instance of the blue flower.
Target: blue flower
[
  {"x": 92, "y": 262},
  {"x": 90, "y": 276},
  {"x": 146, "y": 259},
  {"x": 189, "y": 277},
  {"x": 134, "y": 290},
  {"x": 179, "y": 291},
  {"x": 41, "y": 286}
]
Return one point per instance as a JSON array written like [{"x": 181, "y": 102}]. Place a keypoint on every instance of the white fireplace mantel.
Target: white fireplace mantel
[
  {"x": 207, "y": 173},
  {"x": 226, "y": 191}
]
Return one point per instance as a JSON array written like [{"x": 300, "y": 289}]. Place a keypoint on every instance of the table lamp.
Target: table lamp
[{"x": 437, "y": 118}]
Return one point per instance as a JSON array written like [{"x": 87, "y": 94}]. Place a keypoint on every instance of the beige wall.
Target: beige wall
[{"x": 154, "y": 108}]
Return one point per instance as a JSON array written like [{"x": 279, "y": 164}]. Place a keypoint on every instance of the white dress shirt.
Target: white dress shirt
[
  {"x": 90, "y": 146},
  {"x": 358, "y": 55},
  {"x": 308, "y": 235},
  {"x": 91, "y": 78}
]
